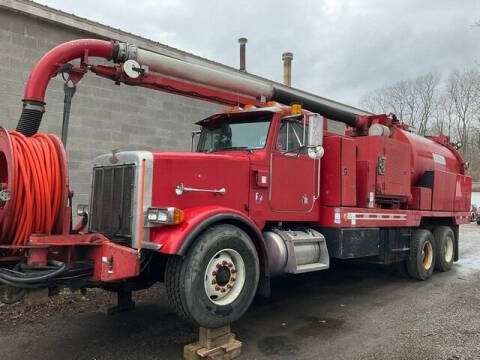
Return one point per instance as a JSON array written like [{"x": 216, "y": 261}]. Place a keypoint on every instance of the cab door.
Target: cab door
[{"x": 294, "y": 174}]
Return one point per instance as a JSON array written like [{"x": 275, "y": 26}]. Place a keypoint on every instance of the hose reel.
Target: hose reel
[{"x": 33, "y": 187}]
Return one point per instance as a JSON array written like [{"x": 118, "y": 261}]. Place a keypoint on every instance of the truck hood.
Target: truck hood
[{"x": 201, "y": 171}]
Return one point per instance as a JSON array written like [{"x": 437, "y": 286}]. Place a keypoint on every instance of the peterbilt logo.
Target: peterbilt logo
[{"x": 114, "y": 159}]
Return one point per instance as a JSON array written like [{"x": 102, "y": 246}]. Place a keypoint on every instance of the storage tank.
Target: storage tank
[{"x": 427, "y": 154}]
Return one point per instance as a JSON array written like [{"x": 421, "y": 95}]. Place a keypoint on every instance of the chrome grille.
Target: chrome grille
[{"x": 111, "y": 201}]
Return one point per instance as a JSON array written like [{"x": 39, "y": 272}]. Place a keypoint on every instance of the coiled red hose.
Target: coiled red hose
[{"x": 37, "y": 189}]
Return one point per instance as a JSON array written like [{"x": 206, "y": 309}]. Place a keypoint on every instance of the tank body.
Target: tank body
[{"x": 427, "y": 155}]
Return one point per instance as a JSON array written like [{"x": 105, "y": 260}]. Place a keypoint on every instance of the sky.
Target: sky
[{"x": 342, "y": 48}]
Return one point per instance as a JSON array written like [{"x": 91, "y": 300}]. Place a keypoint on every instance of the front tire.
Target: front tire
[
  {"x": 421, "y": 261},
  {"x": 445, "y": 241},
  {"x": 215, "y": 283}
]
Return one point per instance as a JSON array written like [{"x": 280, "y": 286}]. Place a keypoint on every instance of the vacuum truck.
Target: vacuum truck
[{"x": 273, "y": 187}]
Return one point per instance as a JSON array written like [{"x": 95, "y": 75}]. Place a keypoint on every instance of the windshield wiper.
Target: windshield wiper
[{"x": 232, "y": 148}]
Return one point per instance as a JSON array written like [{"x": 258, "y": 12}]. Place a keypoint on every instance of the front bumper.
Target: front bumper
[{"x": 111, "y": 261}]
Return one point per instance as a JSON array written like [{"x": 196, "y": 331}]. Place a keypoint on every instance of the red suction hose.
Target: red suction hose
[{"x": 46, "y": 68}]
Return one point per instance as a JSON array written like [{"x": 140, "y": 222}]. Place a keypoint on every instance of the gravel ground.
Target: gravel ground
[{"x": 353, "y": 311}]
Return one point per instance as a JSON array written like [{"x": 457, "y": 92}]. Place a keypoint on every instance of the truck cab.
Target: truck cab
[
  {"x": 246, "y": 161},
  {"x": 275, "y": 140}
]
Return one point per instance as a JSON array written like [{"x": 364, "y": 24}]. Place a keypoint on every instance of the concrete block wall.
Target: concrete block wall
[{"x": 104, "y": 116}]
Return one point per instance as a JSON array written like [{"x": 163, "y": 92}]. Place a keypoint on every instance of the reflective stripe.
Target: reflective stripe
[{"x": 369, "y": 216}]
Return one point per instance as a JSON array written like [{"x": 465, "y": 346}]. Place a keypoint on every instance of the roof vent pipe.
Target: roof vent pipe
[
  {"x": 242, "y": 41},
  {"x": 287, "y": 58}
]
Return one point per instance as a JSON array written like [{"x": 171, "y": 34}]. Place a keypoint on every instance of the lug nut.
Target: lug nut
[
  {"x": 233, "y": 279},
  {"x": 223, "y": 290},
  {"x": 230, "y": 265},
  {"x": 217, "y": 287},
  {"x": 214, "y": 273},
  {"x": 229, "y": 286},
  {"x": 214, "y": 282},
  {"x": 224, "y": 263},
  {"x": 233, "y": 271},
  {"x": 219, "y": 266}
]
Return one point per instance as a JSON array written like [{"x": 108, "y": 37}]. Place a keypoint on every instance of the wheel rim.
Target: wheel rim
[
  {"x": 224, "y": 277},
  {"x": 427, "y": 255},
  {"x": 448, "y": 249}
]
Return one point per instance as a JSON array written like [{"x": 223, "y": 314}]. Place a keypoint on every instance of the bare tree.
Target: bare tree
[
  {"x": 443, "y": 116},
  {"x": 400, "y": 100},
  {"x": 462, "y": 89},
  {"x": 411, "y": 100},
  {"x": 374, "y": 101},
  {"x": 451, "y": 107},
  {"x": 426, "y": 93}
]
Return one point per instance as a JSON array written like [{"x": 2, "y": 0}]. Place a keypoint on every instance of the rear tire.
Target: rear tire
[
  {"x": 215, "y": 283},
  {"x": 421, "y": 261},
  {"x": 445, "y": 243}
]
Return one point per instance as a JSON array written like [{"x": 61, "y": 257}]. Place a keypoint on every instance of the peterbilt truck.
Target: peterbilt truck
[{"x": 280, "y": 182}]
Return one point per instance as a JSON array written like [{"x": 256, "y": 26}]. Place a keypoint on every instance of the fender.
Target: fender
[{"x": 176, "y": 240}]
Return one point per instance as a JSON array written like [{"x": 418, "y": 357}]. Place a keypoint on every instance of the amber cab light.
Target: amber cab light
[{"x": 296, "y": 109}]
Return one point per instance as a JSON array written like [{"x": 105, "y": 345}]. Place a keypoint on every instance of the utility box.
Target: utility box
[
  {"x": 388, "y": 162},
  {"x": 421, "y": 198},
  {"x": 338, "y": 172}
]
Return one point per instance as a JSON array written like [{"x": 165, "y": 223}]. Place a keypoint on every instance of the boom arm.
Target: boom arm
[
  {"x": 144, "y": 68},
  {"x": 174, "y": 86}
]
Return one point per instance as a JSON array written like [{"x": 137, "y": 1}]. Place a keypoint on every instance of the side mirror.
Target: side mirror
[{"x": 315, "y": 137}]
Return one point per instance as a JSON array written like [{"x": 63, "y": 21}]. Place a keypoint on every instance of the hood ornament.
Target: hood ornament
[{"x": 114, "y": 159}]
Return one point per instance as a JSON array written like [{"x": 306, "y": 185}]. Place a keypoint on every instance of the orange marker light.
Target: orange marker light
[
  {"x": 178, "y": 216},
  {"x": 296, "y": 109}
]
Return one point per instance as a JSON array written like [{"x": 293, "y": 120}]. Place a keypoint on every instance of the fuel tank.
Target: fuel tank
[{"x": 427, "y": 154}]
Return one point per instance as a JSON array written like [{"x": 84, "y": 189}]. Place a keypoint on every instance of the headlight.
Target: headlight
[{"x": 159, "y": 216}]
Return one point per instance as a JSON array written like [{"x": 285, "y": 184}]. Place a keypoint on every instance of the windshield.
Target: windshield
[{"x": 233, "y": 133}]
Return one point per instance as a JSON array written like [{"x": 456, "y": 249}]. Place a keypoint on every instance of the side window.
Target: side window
[{"x": 292, "y": 137}]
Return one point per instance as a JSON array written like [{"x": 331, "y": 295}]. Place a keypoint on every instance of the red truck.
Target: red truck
[{"x": 270, "y": 189}]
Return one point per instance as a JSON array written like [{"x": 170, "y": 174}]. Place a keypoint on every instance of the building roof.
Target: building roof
[{"x": 79, "y": 24}]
